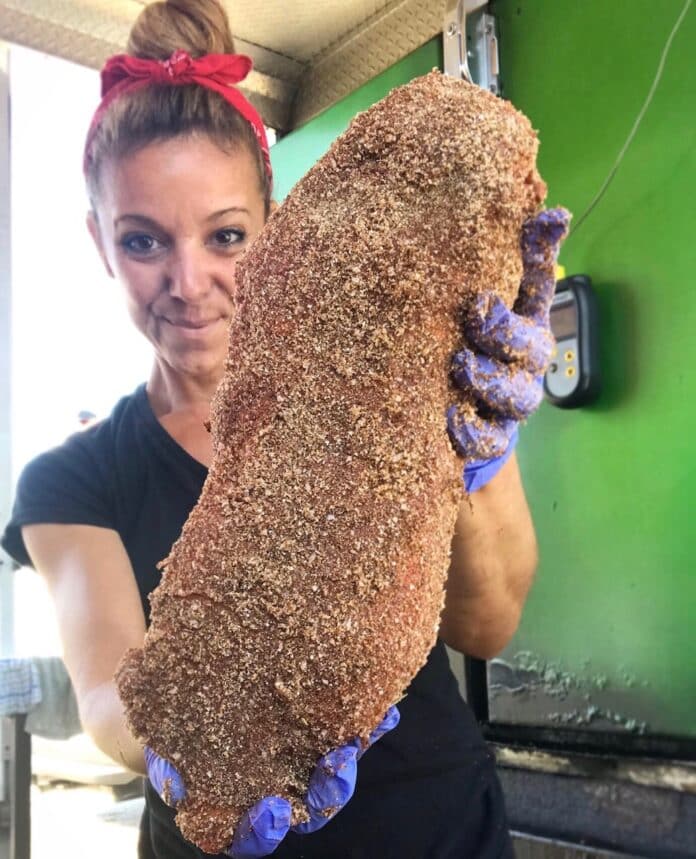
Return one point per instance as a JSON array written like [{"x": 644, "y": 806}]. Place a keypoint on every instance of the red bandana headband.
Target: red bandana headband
[{"x": 218, "y": 72}]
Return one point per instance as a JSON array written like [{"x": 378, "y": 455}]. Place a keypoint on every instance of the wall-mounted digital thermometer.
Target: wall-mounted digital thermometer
[{"x": 573, "y": 378}]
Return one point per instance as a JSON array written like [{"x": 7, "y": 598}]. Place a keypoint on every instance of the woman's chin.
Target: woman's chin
[{"x": 197, "y": 363}]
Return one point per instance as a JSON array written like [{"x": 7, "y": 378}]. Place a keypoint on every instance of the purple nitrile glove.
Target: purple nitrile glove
[
  {"x": 267, "y": 822},
  {"x": 507, "y": 355},
  {"x": 333, "y": 781},
  {"x": 259, "y": 831},
  {"x": 164, "y": 777}
]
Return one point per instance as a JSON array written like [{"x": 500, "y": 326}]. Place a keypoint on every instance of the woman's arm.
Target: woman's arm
[
  {"x": 508, "y": 351},
  {"x": 100, "y": 616},
  {"x": 494, "y": 557}
]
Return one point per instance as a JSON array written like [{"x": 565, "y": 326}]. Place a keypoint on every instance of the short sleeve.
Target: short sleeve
[{"x": 67, "y": 485}]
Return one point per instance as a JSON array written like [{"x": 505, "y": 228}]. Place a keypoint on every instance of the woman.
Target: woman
[{"x": 180, "y": 184}]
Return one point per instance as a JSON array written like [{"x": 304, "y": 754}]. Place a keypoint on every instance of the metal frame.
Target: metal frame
[
  {"x": 470, "y": 43},
  {"x": 572, "y": 740},
  {"x": 600, "y": 813},
  {"x": 15, "y": 743},
  {"x": 19, "y": 786},
  {"x": 550, "y": 775},
  {"x": 6, "y": 566},
  {"x": 575, "y": 740}
]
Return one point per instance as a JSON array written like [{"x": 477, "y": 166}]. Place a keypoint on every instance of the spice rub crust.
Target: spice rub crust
[{"x": 305, "y": 590}]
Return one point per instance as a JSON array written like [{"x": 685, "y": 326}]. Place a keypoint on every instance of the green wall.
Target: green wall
[
  {"x": 611, "y": 616},
  {"x": 294, "y": 154},
  {"x": 611, "y": 485}
]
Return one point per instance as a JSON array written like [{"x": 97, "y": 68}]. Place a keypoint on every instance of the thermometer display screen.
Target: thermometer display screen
[
  {"x": 573, "y": 378},
  {"x": 564, "y": 320}
]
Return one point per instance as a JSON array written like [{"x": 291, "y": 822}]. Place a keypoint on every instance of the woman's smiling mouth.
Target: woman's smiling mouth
[{"x": 192, "y": 328}]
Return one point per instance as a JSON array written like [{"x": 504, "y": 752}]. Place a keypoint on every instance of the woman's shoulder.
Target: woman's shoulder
[
  {"x": 73, "y": 482},
  {"x": 86, "y": 448}
]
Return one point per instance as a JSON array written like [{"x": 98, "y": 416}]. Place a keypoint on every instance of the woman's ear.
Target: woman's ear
[{"x": 95, "y": 232}]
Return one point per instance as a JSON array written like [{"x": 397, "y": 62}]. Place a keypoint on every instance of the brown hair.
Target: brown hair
[{"x": 156, "y": 112}]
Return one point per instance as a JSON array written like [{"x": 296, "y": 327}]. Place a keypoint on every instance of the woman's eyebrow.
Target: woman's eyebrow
[
  {"x": 140, "y": 219},
  {"x": 227, "y": 212},
  {"x": 150, "y": 222}
]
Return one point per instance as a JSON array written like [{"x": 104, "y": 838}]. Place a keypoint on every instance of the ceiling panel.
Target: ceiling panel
[
  {"x": 83, "y": 30},
  {"x": 300, "y": 29},
  {"x": 307, "y": 53}
]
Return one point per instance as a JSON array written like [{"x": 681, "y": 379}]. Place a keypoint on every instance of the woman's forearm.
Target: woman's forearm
[
  {"x": 102, "y": 716},
  {"x": 494, "y": 557}
]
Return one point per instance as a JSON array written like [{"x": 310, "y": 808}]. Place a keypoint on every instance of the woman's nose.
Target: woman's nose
[{"x": 188, "y": 278}]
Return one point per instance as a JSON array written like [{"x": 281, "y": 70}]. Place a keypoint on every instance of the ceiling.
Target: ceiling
[
  {"x": 299, "y": 30},
  {"x": 307, "y": 53}
]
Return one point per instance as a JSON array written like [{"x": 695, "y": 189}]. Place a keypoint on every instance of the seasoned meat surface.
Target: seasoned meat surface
[{"x": 305, "y": 590}]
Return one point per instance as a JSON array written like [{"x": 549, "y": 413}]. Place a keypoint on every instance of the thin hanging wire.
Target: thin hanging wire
[{"x": 636, "y": 124}]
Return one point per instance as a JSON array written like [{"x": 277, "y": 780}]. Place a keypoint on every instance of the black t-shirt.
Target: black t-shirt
[{"x": 426, "y": 789}]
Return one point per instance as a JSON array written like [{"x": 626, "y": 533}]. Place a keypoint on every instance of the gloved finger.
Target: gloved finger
[
  {"x": 509, "y": 391},
  {"x": 479, "y": 472},
  {"x": 388, "y": 723},
  {"x": 541, "y": 240},
  {"x": 331, "y": 786},
  {"x": 261, "y": 829},
  {"x": 165, "y": 778},
  {"x": 475, "y": 437},
  {"x": 497, "y": 331}
]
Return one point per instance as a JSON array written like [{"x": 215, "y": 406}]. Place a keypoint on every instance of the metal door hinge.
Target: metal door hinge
[{"x": 470, "y": 43}]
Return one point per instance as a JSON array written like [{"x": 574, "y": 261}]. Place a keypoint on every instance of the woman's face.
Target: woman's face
[{"x": 172, "y": 220}]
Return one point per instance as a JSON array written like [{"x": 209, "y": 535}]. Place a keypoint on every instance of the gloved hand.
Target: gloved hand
[
  {"x": 267, "y": 822},
  {"x": 509, "y": 351}
]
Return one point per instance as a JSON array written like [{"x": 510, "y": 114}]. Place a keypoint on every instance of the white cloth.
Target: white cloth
[
  {"x": 55, "y": 716},
  {"x": 20, "y": 686},
  {"x": 41, "y": 688}
]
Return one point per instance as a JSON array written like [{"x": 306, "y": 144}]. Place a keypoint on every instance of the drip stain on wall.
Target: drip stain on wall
[{"x": 529, "y": 689}]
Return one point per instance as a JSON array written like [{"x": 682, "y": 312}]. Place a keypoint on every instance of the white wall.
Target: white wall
[{"x": 73, "y": 346}]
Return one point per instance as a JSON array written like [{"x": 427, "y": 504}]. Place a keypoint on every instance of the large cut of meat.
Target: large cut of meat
[{"x": 305, "y": 590}]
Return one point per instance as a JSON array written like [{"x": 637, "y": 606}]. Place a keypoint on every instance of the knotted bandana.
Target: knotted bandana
[{"x": 218, "y": 72}]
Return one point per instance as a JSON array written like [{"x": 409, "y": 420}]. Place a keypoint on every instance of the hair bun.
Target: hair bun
[{"x": 196, "y": 26}]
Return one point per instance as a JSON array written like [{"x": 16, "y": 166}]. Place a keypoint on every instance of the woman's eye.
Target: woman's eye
[
  {"x": 140, "y": 243},
  {"x": 228, "y": 237}
]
